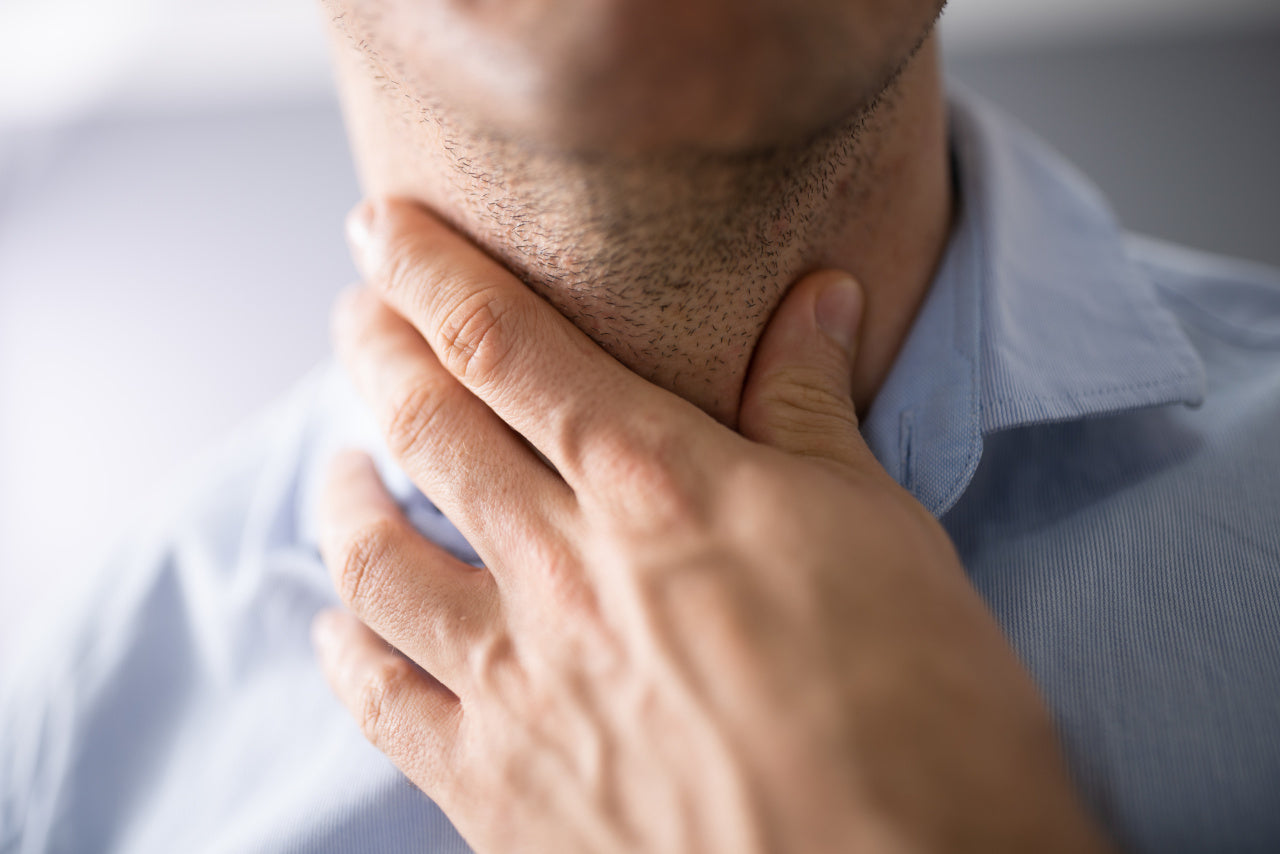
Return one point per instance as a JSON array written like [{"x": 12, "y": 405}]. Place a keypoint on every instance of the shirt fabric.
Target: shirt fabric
[{"x": 1093, "y": 418}]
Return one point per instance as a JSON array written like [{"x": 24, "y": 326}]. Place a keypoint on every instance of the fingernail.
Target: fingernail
[
  {"x": 360, "y": 232},
  {"x": 838, "y": 312}
]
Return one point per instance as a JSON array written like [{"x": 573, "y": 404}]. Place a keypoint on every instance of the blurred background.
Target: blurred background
[{"x": 173, "y": 177}]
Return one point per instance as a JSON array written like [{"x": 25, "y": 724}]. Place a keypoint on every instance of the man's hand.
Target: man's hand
[{"x": 683, "y": 639}]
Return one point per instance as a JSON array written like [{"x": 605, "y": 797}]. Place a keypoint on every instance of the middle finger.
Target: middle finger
[{"x": 501, "y": 497}]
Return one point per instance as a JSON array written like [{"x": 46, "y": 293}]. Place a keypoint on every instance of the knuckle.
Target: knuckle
[
  {"x": 414, "y": 418},
  {"x": 558, "y": 571},
  {"x": 380, "y": 694},
  {"x": 799, "y": 395},
  {"x": 363, "y": 559},
  {"x": 657, "y": 484},
  {"x": 806, "y": 415},
  {"x": 475, "y": 335},
  {"x": 489, "y": 655}
]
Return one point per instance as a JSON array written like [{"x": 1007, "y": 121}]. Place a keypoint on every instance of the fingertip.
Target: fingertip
[
  {"x": 360, "y": 223},
  {"x": 351, "y": 477},
  {"x": 347, "y": 309},
  {"x": 392, "y": 210},
  {"x": 798, "y": 394},
  {"x": 827, "y": 301},
  {"x": 345, "y": 647},
  {"x": 351, "y": 464},
  {"x": 355, "y": 482},
  {"x": 371, "y": 226},
  {"x": 326, "y": 628},
  {"x": 824, "y": 305},
  {"x": 353, "y": 495},
  {"x": 339, "y": 640},
  {"x": 837, "y": 309},
  {"x": 376, "y": 220}
]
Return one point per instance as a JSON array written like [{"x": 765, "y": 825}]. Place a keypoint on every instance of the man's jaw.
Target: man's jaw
[{"x": 671, "y": 265}]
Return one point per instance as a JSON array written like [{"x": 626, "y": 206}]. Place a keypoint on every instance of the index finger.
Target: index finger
[{"x": 529, "y": 364}]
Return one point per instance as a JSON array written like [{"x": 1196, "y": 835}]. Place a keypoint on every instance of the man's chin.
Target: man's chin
[{"x": 632, "y": 79}]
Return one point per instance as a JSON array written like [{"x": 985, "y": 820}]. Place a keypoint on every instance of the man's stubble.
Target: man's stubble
[{"x": 672, "y": 261}]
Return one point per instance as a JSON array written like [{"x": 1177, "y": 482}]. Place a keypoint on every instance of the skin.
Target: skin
[
  {"x": 683, "y": 639},
  {"x": 666, "y": 229}
]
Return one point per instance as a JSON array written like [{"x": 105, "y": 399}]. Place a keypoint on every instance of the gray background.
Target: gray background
[
  {"x": 165, "y": 271},
  {"x": 1181, "y": 132}
]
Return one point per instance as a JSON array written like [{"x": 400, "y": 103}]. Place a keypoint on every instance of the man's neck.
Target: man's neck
[
  {"x": 675, "y": 264},
  {"x": 894, "y": 241}
]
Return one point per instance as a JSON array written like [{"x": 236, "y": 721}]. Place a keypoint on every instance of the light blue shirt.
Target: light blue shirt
[{"x": 1095, "y": 419}]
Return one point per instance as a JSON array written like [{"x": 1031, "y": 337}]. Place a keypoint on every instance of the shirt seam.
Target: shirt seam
[
  {"x": 1173, "y": 381},
  {"x": 980, "y": 206}
]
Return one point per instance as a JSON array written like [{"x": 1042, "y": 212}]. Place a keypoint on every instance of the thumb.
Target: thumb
[{"x": 798, "y": 395}]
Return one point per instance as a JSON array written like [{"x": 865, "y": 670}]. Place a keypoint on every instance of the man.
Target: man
[{"x": 1091, "y": 419}]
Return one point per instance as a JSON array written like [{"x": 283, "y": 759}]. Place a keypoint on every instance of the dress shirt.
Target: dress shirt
[{"x": 1094, "y": 418}]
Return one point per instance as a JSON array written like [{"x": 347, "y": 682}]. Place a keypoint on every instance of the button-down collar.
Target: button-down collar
[{"x": 1037, "y": 314}]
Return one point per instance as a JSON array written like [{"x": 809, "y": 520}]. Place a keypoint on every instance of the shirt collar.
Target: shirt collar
[{"x": 1037, "y": 314}]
